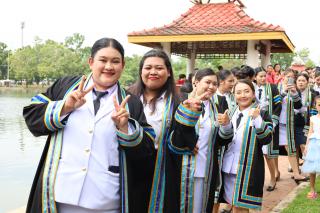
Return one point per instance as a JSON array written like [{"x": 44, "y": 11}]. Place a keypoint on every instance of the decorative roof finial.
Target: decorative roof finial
[
  {"x": 199, "y": 1},
  {"x": 241, "y": 5}
]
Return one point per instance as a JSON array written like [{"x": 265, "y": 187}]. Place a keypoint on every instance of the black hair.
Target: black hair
[
  {"x": 259, "y": 69},
  {"x": 245, "y": 72},
  {"x": 317, "y": 74},
  {"x": 182, "y": 76},
  {"x": 169, "y": 87},
  {"x": 274, "y": 67},
  {"x": 107, "y": 42},
  {"x": 235, "y": 70},
  {"x": 304, "y": 75},
  {"x": 220, "y": 67},
  {"x": 203, "y": 73},
  {"x": 245, "y": 81},
  {"x": 224, "y": 74}
]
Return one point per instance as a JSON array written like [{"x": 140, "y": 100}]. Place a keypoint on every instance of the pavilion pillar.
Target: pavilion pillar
[
  {"x": 266, "y": 58},
  {"x": 252, "y": 54},
  {"x": 191, "y": 63},
  {"x": 166, "y": 46}
]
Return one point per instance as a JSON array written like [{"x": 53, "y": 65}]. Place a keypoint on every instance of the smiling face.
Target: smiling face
[
  {"x": 207, "y": 84},
  {"x": 261, "y": 78},
  {"x": 244, "y": 95},
  {"x": 106, "y": 66},
  {"x": 154, "y": 73}
]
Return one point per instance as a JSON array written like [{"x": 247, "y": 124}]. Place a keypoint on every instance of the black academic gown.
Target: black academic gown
[
  {"x": 250, "y": 175},
  {"x": 135, "y": 171},
  {"x": 180, "y": 163}
]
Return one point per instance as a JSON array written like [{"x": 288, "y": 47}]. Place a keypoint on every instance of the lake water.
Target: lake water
[{"x": 19, "y": 152}]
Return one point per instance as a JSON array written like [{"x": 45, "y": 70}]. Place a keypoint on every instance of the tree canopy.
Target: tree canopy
[{"x": 50, "y": 60}]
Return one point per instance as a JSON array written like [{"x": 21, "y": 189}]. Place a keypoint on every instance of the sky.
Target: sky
[{"x": 57, "y": 19}]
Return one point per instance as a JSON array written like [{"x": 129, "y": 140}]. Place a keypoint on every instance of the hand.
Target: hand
[
  {"x": 196, "y": 150},
  {"x": 292, "y": 88},
  {"x": 76, "y": 98},
  {"x": 120, "y": 116},
  {"x": 254, "y": 112},
  {"x": 194, "y": 104},
  {"x": 223, "y": 119}
]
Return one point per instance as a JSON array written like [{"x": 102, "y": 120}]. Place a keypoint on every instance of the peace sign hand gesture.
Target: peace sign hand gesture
[
  {"x": 194, "y": 104},
  {"x": 76, "y": 98},
  {"x": 223, "y": 119},
  {"x": 120, "y": 116}
]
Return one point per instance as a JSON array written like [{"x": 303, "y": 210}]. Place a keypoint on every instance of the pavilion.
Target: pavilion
[{"x": 217, "y": 30}]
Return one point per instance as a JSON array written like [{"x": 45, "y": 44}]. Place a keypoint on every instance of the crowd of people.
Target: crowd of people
[{"x": 152, "y": 148}]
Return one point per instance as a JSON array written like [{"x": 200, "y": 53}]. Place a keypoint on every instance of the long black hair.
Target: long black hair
[{"x": 168, "y": 88}]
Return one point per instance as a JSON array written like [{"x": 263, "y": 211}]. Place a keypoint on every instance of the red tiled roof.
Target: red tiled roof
[{"x": 214, "y": 18}]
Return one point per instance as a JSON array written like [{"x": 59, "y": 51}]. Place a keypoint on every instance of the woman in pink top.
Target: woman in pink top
[
  {"x": 270, "y": 78},
  {"x": 277, "y": 74}
]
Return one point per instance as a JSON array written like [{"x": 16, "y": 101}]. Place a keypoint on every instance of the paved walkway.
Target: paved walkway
[{"x": 283, "y": 187}]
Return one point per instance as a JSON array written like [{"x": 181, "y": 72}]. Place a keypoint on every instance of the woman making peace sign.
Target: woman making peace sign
[{"x": 96, "y": 146}]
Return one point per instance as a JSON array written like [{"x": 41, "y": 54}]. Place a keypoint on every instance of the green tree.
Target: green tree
[
  {"x": 131, "y": 70},
  {"x": 74, "y": 42},
  {"x": 23, "y": 64},
  {"x": 284, "y": 59},
  {"x": 4, "y": 52}
]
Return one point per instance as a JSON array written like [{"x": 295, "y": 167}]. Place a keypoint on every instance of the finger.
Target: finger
[
  {"x": 124, "y": 115},
  {"x": 125, "y": 101},
  {"x": 88, "y": 89},
  {"x": 115, "y": 103},
  {"x": 83, "y": 79},
  {"x": 226, "y": 112},
  {"x": 203, "y": 96}
]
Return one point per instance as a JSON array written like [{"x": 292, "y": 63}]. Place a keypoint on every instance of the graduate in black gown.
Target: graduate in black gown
[{"x": 99, "y": 153}]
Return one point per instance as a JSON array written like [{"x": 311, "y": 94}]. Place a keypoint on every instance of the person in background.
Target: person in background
[
  {"x": 226, "y": 84},
  {"x": 243, "y": 164},
  {"x": 99, "y": 154},
  {"x": 290, "y": 101},
  {"x": 220, "y": 68},
  {"x": 302, "y": 115},
  {"x": 270, "y": 74},
  {"x": 277, "y": 74},
  {"x": 316, "y": 85},
  {"x": 181, "y": 80},
  {"x": 312, "y": 157},
  {"x": 186, "y": 88},
  {"x": 246, "y": 72},
  {"x": 269, "y": 99}
]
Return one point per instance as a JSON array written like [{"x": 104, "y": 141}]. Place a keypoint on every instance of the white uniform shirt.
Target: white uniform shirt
[
  {"x": 89, "y": 147},
  {"x": 155, "y": 118},
  {"x": 231, "y": 102},
  {"x": 232, "y": 154},
  {"x": 205, "y": 128},
  {"x": 316, "y": 87}
]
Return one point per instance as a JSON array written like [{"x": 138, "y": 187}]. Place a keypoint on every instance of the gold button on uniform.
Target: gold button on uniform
[
  {"x": 90, "y": 131},
  {"x": 84, "y": 169},
  {"x": 87, "y": 151}
]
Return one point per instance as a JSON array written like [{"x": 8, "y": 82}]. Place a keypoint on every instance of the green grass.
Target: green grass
[{"x": 301, "y": 204}]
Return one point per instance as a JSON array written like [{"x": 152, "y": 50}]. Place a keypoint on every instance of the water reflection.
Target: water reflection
[{"x": 19, "y": 151}]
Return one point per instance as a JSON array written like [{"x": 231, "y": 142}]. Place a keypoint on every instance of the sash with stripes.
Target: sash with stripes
[{"x": 158, "y": 185}]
